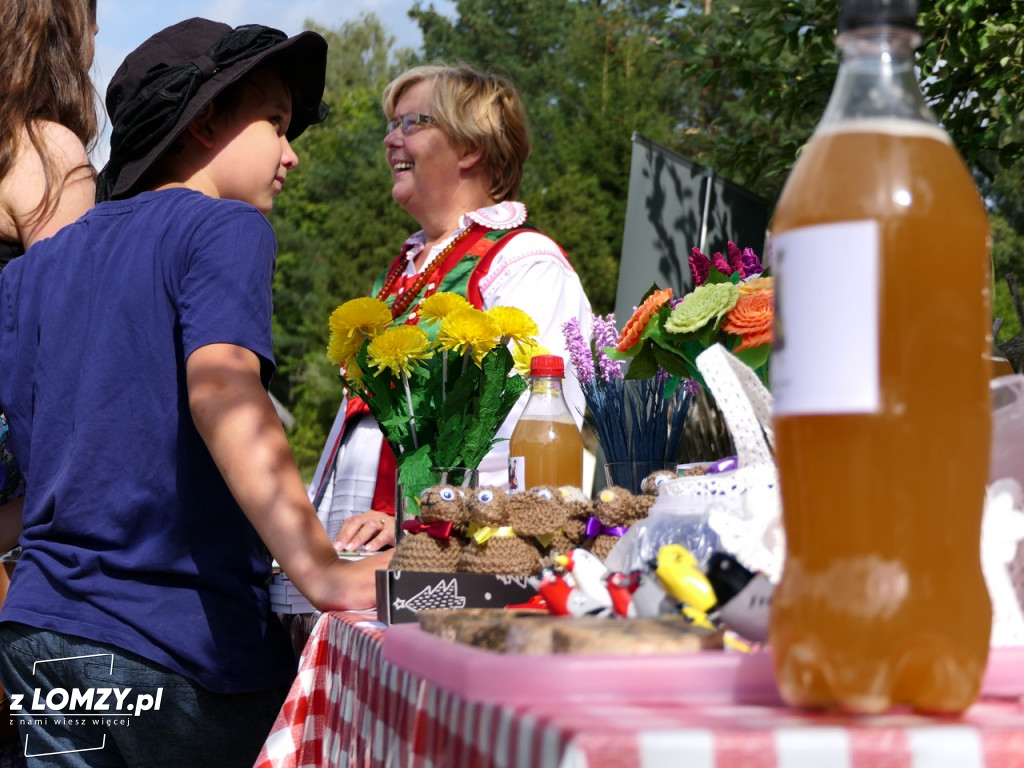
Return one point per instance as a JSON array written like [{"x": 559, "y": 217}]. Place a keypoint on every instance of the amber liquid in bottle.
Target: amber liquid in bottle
[
  {"x": 552, "y": 452},
  {"x": 883, "y": 601},
  {"x": 546, "y": 447}
]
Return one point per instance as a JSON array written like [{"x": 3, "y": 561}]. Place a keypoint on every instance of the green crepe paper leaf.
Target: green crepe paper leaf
[
  {"x": 673, "y": 362},
  {"x": 485, "y": 408},
  {"x": 514, "y": 388},
  {"x": 756, "y": 358},
  {"x": 706, "y": 335},
  {"x": 672, "y": 385},
  {"x": 714, "y": 276},
  {"x": 499, "y": 394},
  {"x": 644, "y": 365},
  {"x": 614, "y": 354}
]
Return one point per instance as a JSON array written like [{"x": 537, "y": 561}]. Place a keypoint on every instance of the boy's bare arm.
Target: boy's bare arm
[{"x": 237, "y": 420}]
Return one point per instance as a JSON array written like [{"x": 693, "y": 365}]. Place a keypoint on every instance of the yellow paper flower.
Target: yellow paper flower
[
  {"x": 707, "y": 303},
  {"x": 514, "y": 324},
  {"x": 353, "y": 374},
  {"x": 469, "y": 330},
  {"x": 352, "y": 323},
  {"x": 440, "y": 305},
  {"x": 523, "y": 354},
  {"x": 756, "y": 284},
  {"x": 341, "y": 349},
  {"x": 399, "y": 349}
]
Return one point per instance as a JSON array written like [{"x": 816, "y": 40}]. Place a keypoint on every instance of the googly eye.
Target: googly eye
[
  {"x": 448, "y": 494},
  {"x": 544, "y": 493},
  {"x": 485, "y": 496}
]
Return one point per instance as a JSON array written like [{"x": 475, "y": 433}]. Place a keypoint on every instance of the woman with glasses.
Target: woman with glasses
[{"x": 456, "y": 143}]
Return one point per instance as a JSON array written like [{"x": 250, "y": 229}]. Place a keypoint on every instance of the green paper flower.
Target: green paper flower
[{"x": 707, "y": 303}]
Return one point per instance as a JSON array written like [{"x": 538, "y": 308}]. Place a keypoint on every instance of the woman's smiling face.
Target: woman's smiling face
[{"x": 424, "y": 163}]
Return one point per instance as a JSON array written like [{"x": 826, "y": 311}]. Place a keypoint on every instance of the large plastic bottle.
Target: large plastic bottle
[
  {"x": 546, "y": 447},
  {"x": 880, "y": 378}
]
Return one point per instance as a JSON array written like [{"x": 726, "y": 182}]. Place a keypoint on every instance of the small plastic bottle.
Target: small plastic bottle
[
  {"x": 546, "y": 447},
  {"x": 880, "y": 377}
]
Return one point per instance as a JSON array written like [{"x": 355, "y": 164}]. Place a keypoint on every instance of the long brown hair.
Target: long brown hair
[{"x": 44, "y": 75}]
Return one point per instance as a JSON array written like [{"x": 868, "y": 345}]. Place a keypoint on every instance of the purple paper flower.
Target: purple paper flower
[
  {"x": 719, "y": 262},
  {"x": 735, "y": 257},
  {"x": 579, "y": 350},
  {"x": 700, "y": 266},
  {"x": 751, "y": 264}
]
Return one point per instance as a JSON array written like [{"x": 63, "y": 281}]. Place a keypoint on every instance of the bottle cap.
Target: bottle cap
[
  {"x": 547, "y": 365},
  {"x": 854, "y": 14}
]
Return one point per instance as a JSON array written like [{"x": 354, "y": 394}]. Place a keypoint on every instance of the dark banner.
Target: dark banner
[{"x": 673, "y": 205}]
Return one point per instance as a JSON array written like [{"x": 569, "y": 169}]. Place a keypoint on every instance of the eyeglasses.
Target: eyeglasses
[{"x": 409, "y": 123}]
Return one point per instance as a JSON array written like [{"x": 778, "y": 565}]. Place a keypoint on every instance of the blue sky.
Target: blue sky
[{"x": 124, "y": 24}]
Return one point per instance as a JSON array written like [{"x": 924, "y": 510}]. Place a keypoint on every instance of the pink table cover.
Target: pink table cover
[{"x": 349, "y": 706}]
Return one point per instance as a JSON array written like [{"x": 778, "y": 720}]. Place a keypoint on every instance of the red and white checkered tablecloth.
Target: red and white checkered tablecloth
[{"x": 351, "y": 707}]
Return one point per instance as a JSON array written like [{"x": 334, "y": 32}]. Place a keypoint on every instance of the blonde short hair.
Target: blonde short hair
[{"x": 479, "y": 112}]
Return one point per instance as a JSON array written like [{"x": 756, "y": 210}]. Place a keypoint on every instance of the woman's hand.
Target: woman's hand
[{"x": 370, "y": 530}]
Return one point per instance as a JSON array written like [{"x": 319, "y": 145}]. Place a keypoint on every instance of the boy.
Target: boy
[{"x": 135, "y": 347}]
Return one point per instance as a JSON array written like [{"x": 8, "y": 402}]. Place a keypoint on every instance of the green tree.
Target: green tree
[
  {"x": 766, "y": 69},
  {"x": 1006, "y": 196}
]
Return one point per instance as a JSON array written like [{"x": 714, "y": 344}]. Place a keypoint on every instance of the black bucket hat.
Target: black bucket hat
[{"x": 164, "y": 83}]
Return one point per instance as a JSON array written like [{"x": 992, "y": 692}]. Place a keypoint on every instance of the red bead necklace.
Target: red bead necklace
[{"x": 406, "y": 298}]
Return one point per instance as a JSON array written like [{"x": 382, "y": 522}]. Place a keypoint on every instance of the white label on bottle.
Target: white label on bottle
[
  {"x": 825, "y": 358},
  {"x": 516, "y": 473}
]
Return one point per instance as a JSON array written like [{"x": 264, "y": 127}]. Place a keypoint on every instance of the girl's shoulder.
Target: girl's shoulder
[{"x": 24, "y": 186}]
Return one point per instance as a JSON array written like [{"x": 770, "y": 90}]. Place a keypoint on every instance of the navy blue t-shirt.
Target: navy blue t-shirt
[{"x": 131, "y": 535}]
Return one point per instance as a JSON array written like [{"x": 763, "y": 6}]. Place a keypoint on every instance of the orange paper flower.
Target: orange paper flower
[
  {"x": 751, "y": 318},
  {"x": 631, "y": 333}
]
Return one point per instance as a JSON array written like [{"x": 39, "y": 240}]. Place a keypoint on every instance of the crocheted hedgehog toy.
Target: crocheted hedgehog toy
[
  {"x": 649, "y": 485},
  {"x": 495, "y": 544},
  {"x": 538, "y": 514},
  {"x": 611, "y": 514},
  {"x": 577, "y": 508},
  {"x": 434, "y": 540}
]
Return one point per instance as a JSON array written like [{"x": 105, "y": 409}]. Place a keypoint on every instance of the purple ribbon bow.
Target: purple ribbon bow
[{"x": 596, "y": 528}]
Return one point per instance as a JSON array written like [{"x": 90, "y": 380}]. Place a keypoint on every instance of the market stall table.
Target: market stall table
[{"x": 354, "y": 703}]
